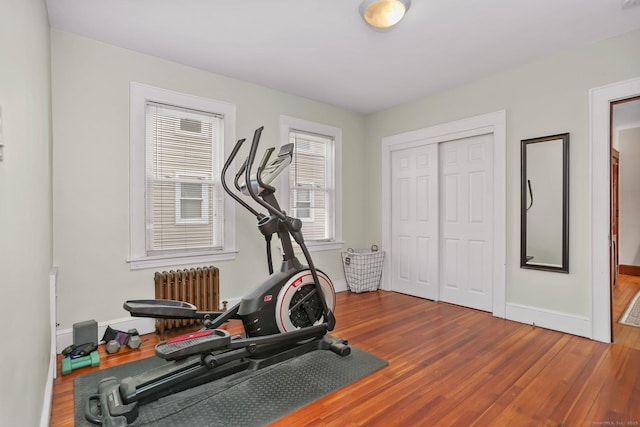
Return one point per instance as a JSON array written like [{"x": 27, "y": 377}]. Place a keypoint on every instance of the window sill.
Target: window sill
[
  {"x": 324, "y": 246},
  {"x": 160, "y": 261},
  {"x": 317, "y": 246}
]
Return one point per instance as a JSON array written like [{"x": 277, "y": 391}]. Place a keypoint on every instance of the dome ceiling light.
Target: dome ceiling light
[{"x": 383, "y": 14}]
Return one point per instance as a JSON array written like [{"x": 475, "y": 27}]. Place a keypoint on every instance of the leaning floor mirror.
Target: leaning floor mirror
[{"x": 544, "y": 243}]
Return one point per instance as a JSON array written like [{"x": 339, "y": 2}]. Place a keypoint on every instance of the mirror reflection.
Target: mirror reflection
[{"x": 545, "y": 203}]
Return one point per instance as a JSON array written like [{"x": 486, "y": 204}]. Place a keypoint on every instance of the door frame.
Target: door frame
[
  {"x": 600, "y": 169},
  {"x": 491, "y": 123},
  {"x": 614, "y": 215}
]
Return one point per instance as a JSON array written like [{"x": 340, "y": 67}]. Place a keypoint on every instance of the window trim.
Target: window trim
[
  {"x": 140, "y": 94},
  {"x": 287, "y": 124}
]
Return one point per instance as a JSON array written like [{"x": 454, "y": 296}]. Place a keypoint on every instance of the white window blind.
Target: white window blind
[
  {"x": 311, "y": 183},
  {"x": 184, "y": 207}
]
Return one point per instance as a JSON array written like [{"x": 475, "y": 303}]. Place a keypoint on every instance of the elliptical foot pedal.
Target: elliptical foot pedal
[
  {"x": 107, "y": 408},
  {"x": 160, "y": 309},
  {"x": 198, "y": 342}
]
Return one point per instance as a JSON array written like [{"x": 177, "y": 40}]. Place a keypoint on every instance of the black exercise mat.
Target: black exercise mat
[{"x": 244, "y": 399}]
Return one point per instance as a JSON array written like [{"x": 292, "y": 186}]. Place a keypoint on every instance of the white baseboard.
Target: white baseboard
[
  {"x": 45, "y": 415},
  {"x": 549, "y": 319},
  {"x": 53, "y": 295},
  {"x": 340, "y": 285}
]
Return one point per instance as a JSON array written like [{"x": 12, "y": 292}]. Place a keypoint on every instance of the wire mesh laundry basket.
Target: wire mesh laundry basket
[{"x": 363, "y": 268}]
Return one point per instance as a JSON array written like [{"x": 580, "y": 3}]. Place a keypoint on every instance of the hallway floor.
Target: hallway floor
[{"x": 625, "y": 290}]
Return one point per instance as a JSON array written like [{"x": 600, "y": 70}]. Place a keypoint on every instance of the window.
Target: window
[
  {"x": 181, "y": 175},
  {"x": 303, "y": 202},
  {"x": 312, "y": 189},
  {"x": 192, "y": 203},
  {"x": 178, "y": 210}
]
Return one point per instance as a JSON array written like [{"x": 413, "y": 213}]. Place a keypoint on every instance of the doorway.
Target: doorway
[
  {"x": 428, "y": 275},
  {"x": 625, "y": 226},
  {"x": 600, "y": 169}
]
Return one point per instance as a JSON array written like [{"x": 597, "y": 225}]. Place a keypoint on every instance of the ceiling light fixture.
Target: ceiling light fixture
[{"x": 383, "y": 14}]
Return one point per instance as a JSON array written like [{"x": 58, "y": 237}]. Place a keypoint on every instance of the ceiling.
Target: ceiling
[{"x": 323, "y": 50}]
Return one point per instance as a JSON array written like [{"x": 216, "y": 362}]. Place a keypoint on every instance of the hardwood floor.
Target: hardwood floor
[
  {"x": 452, "y": 366},
  {"x": 626, "y": 289}
]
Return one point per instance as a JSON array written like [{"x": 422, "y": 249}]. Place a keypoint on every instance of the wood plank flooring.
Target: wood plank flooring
[
  {"x": 453, "y": 366},
  {"x": 627, "y": 288}
]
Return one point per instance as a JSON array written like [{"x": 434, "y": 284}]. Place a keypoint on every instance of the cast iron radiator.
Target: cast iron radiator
[{"x": 198, "y": 286}]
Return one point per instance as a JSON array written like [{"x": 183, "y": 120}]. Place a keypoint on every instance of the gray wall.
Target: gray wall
[{"x": 25, "y": 209}]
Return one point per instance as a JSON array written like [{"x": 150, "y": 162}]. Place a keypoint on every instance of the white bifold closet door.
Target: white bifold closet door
[{"x": 441, "y": 220}]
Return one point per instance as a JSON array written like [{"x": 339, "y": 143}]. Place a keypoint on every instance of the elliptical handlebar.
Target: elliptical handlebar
[
  {"x": 247, "y": 177},
  {"x": 239, "y": 175},
  {"x": 293, "y": 225},
  {"x": 267, "y": 200},
  {"x": 232, "y": 156}
]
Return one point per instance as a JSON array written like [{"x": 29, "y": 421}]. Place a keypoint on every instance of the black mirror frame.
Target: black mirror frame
[{"x": 564, "y": 268}]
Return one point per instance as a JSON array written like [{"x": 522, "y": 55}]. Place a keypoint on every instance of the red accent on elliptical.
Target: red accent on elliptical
[{"x": 190, "y": 336}]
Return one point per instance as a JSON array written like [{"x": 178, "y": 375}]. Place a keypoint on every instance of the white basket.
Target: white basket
[{"x": 363, "y": 268}]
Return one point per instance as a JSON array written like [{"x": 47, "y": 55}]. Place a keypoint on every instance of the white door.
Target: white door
[
  {"x": 414, "y": 221},
  {"x": 466, "y": 183},
  {"x": 441, "y": 221}
]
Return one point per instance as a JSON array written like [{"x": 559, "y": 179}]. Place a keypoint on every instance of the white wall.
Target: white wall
[
  {"x": 90, "y": 83},
  {"x": 25, "y": 210},
  {"x": 90, "y": 155},
  {"x": 91, "y": 150},
  {"x": 542, "y": 98},
  {"x": 629, "y": 239}
]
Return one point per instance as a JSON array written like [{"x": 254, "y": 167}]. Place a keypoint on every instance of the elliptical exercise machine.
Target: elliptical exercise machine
[{"x": 286, "y": 316}]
